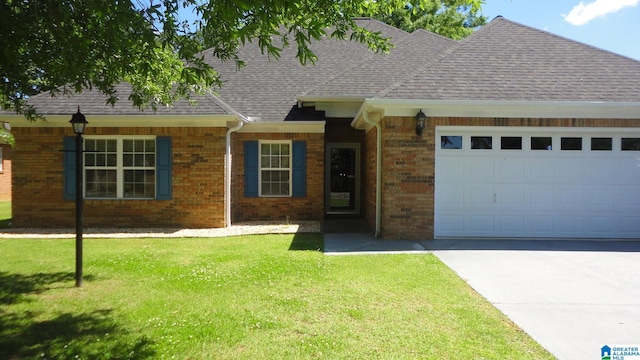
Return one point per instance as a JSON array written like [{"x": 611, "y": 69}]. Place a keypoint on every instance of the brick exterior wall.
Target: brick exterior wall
[
  {"x": 198, "y": 182},
  {"x": 408, "y": 167},
  {"x": 5, "y": 174},
  {"x": 277, "y": 209}
]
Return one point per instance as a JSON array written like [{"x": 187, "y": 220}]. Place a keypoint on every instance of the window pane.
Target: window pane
[
  {"x": 630, "y": 144},
  {"x": 127, "y": 145},
  {"x": 127, "y": 160},
  {"x": 451, "y": 142},
  {"x": 541, "y": 143},
  {"x": 481, "y": 142},
  {"x": 601, "y": 144},
  {"x": 139, "y": 184},
  {"x": 284, "y": 162},
  {"x": 112, "y": 145},
  {"x": 511, "y": 143},
  {"x": 285, "y": 149},
  {"x": 264, "y": 162},
  {"x": 100, "y": 183},
  {"x": 571, "y": 143},
  {"x": 265, "y": 149}
]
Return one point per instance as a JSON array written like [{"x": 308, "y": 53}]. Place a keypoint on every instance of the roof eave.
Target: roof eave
[{"x": 500, "y": 109}]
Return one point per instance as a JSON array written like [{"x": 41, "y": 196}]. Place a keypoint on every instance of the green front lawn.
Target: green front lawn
[{"x": 250, "y": 297}]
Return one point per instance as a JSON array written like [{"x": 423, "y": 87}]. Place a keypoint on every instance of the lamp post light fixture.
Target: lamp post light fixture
[
  {"x": 420, "y": 120},
  {"x": 79, "y": 122}
]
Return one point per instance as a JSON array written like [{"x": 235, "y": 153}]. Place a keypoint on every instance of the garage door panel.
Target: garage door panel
[
  {"x": 453, "y": 225},
  {"x": 542, "y": 197},
  {"x": 628, "y": 225},
  {"x": 568, "y": 171},
  {"x": 571, "y": 225},
  {"x": 510, "y": 197},
  {"x": 450, "y": 196},
  {"x": 539, "y": 171},
  {"x": 541, "y": 224},
  {"x": 599, "y": 171},
  {"x": 512, "y": 170},
  {"x": 514, "y": 224},
  {"x": 480, "y": 224},
  {"x": 570, "y": 198},
  {"x": 627, "y": 171},
  {"x": 601, "y": 225},
  {"x": 600, "y": 198},
  {"x": 481, "y": 196},
  {"x": 451, "y": 168},
  {"x": 480, "y": 170}
]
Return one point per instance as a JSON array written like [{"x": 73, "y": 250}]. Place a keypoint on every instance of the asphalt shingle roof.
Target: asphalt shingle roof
[
  {"x": 509, "y": 61},
  {"x": 502, "y": 61}
]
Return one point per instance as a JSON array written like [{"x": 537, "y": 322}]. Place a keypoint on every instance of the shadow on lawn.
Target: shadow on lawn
[
  {"x": 28, "y": 334},
  {"x": 307, "y": 242}
]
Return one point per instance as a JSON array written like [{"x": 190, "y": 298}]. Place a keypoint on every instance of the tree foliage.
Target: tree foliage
[
  {"x": 65, "y": 46},
  {"x": 455, "y": 19}
]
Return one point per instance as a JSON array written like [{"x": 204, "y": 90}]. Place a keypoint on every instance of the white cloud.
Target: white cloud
[{"x": 582, "y": 14}]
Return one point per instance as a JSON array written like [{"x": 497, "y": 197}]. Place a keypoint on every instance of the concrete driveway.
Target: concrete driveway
[{"x": 572, "y": 297}]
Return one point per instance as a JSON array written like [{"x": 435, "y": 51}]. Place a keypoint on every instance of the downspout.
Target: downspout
[
  {"x": 365, "y": 116},
  {"x": 227, "y": 170}
]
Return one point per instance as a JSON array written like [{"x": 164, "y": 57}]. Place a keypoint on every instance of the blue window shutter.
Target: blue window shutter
[
  {"x": 299, "y": 163},
  {"x": 69, "y": 168},
  {"x": 251, "y": 169},
  {"x": 163, "y": 168}
]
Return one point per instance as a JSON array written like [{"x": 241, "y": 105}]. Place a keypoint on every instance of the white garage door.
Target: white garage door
[{"x": 537, "y": 182}]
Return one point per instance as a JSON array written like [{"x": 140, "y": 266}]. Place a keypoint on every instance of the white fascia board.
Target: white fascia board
[
  {"x": 307, "y": 127},
  {"x": 502, "y": 109},
  {"x": 128, "y": 121}
]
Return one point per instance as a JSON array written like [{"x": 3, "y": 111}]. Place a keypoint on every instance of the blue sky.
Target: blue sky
[{"x": 612, "y": 25}]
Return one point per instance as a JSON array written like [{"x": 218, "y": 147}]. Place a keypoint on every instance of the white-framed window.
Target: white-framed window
[
  {"x": 275, "y": 168},
  {"x": 120, "y": 167},
  {"x": 1, "y": 169}
]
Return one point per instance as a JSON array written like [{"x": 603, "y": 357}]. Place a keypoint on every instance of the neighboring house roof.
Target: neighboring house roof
[{"x": 503, "y": 61}]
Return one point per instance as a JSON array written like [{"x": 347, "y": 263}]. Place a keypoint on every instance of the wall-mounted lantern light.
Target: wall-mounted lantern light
[{"x": 420, "y": 120}]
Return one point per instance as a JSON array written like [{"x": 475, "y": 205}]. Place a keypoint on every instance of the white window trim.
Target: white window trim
[
  {"x": 1, "y": 160},
  {"x": 120, "y": 168},
  {"x": 290, "y": 168}
]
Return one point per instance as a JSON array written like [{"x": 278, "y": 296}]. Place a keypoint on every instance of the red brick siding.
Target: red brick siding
[
  {"x": 310, "y": 207},
  {"x": 198, "y": 182},
  {"x": 5, "y": 174},
  {"x": 408, "y": 167}
]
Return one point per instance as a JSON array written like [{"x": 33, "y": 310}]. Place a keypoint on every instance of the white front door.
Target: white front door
[{"x": 537, "y": 182}]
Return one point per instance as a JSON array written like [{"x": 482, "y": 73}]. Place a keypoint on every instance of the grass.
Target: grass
[
  {"x": 250, "y": 297},
  {"x": 5, "y": 214}
]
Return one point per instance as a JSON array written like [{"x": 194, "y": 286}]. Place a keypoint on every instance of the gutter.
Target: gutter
[
  {"x": 227, "y": 167},
  {"x": 365, "y": 116}
]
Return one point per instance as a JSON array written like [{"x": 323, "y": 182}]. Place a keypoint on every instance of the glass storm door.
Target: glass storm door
[{"x": 342, "y": 189}]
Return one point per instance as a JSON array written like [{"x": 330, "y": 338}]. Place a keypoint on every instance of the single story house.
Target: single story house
[{"x": 512, "y": 132}]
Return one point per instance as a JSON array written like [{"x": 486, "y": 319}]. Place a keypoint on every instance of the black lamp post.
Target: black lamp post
[
  {"x": 78, "y": 122},
  {"x": 420, "y": 120}
]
